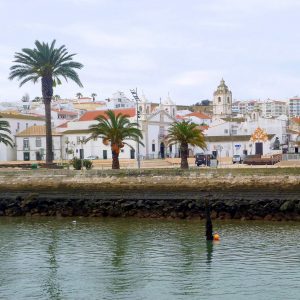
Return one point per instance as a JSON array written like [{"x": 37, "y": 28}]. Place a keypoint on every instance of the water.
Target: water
[{"x": 49, "y": 258}]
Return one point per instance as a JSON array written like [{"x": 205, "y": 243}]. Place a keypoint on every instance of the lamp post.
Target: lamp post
[
  {"x": 81, "y": 141},
  {"x": 137, "y": 100}
]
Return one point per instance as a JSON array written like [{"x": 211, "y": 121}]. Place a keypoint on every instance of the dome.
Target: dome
[{"x": 222, "y": 88}]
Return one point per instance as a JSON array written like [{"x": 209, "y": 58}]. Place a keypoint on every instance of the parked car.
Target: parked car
[
  {"x": 203, "y": 159},
  {"x": 238, "y": 159},
  {"x": 92, "y": 157}
]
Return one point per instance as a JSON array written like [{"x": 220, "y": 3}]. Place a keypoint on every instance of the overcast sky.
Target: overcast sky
[{"x": 161, "y": 46}]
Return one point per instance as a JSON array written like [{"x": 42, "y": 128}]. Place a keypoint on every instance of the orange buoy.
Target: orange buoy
[{"x": 216, "y": 237}]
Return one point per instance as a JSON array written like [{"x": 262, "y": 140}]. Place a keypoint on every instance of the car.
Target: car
[
  {"x": 92, "y": 157},
  {"x": 203, "y": 159},
  {"x": 237, "y": 159}
]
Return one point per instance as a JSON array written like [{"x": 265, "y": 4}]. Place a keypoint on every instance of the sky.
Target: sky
[{"x": 160, "y": 47}]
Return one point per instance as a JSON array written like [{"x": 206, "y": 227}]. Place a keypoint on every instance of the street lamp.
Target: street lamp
[
  {"x": 81, "y": 141},
  {"x": 137, "y": 100}
]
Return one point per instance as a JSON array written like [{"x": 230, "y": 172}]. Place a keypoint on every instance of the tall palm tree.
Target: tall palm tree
[
  {"x": 115, "y": 130},
  {"x": 4, "y": 137},
  {"x": 94, "y": 95},
  {"x": 48, "y": 64},
  {"x": 185, "y": 133},
  {"x": 79, "y": 95}
]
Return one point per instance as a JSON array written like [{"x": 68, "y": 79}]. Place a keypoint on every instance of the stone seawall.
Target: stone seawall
[{"x": 250, "y": 198}]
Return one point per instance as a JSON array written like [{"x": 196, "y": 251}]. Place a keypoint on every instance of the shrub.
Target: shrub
[
  {"x": 88, "y": 164},
  {"x": 76, "y": 163}
]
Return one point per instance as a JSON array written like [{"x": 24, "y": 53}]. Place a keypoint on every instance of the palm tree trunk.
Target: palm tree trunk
[
  {"x": 184, "y": 156},
  {"x": 115, "y": 160},
  {"x": 47, "y": 90}
]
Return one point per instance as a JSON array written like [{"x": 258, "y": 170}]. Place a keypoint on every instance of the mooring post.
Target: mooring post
[{"x": 208, "y": 225}]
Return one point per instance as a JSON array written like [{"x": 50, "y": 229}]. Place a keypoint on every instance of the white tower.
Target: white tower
[
  {"x": 222, "y": 103},
  {"x": 169, "y": 106}
]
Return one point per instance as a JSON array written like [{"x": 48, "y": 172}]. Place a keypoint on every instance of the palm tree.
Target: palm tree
[
  {"x": 56, "y": 97},
  {"x": 185, "y": 133},
  {"x": 93, "y": 95},
  {"x": 48, "y": 64},
  {"x": 79, "y": 95},
  {"x": 5, "y": 138},
  {"x": 115, "y": 130}
]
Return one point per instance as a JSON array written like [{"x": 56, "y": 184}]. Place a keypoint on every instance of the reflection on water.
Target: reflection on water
[{"x": 147, "y": 259}]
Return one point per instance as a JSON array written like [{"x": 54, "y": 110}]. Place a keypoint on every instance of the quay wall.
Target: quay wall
[{"x": 248, "y": 197}]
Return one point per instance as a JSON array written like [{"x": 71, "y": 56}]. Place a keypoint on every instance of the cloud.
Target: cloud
[{"x": 196, "y": 77}]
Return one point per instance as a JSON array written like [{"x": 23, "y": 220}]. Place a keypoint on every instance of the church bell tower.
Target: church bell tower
[{"x": 222, "y": 102}]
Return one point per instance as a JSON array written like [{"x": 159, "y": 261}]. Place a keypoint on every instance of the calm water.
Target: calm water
[{"x": 147, "y": 259}]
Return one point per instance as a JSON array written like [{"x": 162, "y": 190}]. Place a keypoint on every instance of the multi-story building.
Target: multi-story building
[
  {"x": 273, "y": 108},
  {"x": 294, "y": 107},
  {"x": 18, "y": 122}
]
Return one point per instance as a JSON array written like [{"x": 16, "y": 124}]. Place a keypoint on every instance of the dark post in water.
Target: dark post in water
[{"x": 208, "y": 225}]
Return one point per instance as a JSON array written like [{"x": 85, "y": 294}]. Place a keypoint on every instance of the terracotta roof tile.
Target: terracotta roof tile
[
  {"x": 36, "y": 130},
  {"x": 199, "y": 115},
  {"x": 92, "y": 115}
]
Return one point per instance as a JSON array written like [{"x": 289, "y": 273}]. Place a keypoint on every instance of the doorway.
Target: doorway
[
  {"x": 26, "y": 156},
  {"x": 104, "y": 154},
  {"x": 162, "y": 150},
  {"x": 81, "y": 153},
  {"x": 259, "y": 148},
  {"x": 132, "y": 154}
]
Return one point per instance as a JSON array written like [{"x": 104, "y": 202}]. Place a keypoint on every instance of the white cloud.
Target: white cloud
[{"x": 195, "y": 78}]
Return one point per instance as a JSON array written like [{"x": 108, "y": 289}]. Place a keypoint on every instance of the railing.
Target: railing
[{"x": 291, "y": 156}]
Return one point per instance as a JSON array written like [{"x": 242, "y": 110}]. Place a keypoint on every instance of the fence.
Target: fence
[{"x": 291, "y": 156}]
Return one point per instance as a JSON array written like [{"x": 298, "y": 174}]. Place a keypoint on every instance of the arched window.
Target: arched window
[{"x": 219, "y": 99}]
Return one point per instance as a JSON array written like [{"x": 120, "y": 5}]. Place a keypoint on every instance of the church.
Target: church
[{"x": 229, "y": 135}]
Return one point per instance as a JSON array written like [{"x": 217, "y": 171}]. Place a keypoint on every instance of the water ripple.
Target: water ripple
[{"x": 147, "y": 259}]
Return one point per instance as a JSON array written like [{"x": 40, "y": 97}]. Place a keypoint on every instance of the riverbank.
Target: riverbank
[{"x": 232, "y": 196}]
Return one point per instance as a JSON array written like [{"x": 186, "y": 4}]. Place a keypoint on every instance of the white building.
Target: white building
[
  {"x": 273, "y": 108},
  {"x": 18, "y": 122},
  {"x": 31, "y": 144},
  {"x": 294, "y": 107}
]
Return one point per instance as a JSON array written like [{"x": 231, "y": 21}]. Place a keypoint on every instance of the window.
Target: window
[
  {"x": 18, "y": 126},
  {"x": 78, "y": 140},
  {"x": 153, "y": 147},
  {"x": 170, "y": 148},
  {"x": 26, "y": 143},
  {"x": 228, "y": 100},
  {"x": 26, "y": 125},
  {"x": 38, "y": 142},
  {"x": 225, "y": 130},
  {"x": 219, "y": 99}
]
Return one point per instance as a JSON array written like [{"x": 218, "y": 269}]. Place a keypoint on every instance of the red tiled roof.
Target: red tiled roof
[
  {"x": 198, "y": 115},
  {"x": 92, "y": 115},
  {"x": 296, "y": 120}
]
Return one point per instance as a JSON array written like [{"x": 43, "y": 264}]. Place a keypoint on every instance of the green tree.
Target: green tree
[
  {"x": 4, "y": 137},
  {"x": 115, "y": 130},
  {"x": 185, "y": 133},
  {"x": 46, "y": 63}
]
